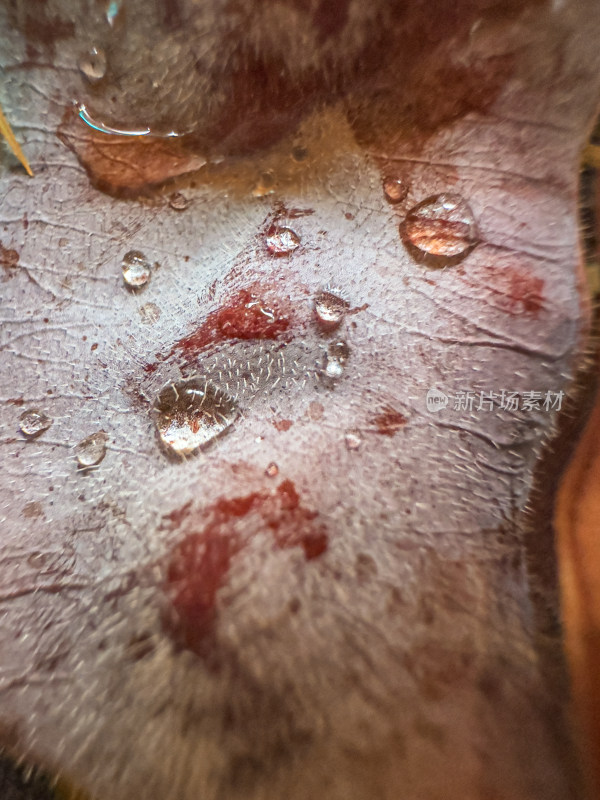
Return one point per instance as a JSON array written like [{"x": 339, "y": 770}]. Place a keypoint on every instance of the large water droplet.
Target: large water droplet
[
  {"x": 335, "y": 361},
  {"x": 179, "y": 202},
  {"x": 440, "y": 231},
  {"x": 91, "y": 450},
  {"x": 192, "y": 413},
  {"x": 395, "y": 190},
  {"x": 330, "y": 309},
  {"x": 281, "y": 241},
  {"x": 136, "y": 269},
  {"x": 33, "y": 423},
  {"x": 92, "y": 65}
]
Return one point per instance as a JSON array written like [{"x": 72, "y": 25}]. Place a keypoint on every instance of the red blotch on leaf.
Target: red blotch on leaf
[
  {"x": 198, "y": 565},
  {"x": 389, "y": 421}
]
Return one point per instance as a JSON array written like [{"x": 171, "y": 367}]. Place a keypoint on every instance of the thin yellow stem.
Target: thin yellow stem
[{"x": 6, "y": 131}]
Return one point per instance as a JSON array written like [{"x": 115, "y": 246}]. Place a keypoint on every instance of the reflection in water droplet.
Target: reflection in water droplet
[
  {"x": 440, "y": 231},
  {"x": 353, "y": 440},
  {"x": 337, "y": 355},
  {"x": 272, "y": 471},
  {"x": 395, "y": 190},
  {"x": 265, "y": 185},
  {"x": 192, "y": 413},
  {"x": 92, "y": 65},
  {"x": 150, "y": 313},
  {"x": 33, "y": 423},
  {"x": 179, "y": 202},
  {"x": 90, "y": 451},
  {"x": 256, "y": 303},
  {"x": 98, "y": 125},
  {"x": 136, "y": 269},
  {"x": 281, "y": 241},
  {"x": 330, "y": 309},
  {"x": 112, "y": 11}
]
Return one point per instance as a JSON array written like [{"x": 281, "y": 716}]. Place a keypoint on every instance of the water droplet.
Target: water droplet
[
  {"x": 272, "y": 471},
  {"x": 179, "y": 202},
  {"x": 150, "y": 313},
  {"x": 281, "y": 241},
  {"x": 265, "y": 185},
  {"x": 192, "y": 413},
  {"x": 92, "y": 65},
  {"x": 90, "y": 451},
  {"x": 330, "y": 309},
  {"x": 299, "y": 153},
  {"x": 353, "y": 440},
  {"x": 33, "y": 423},
  {"x": 136, "y": 269},
  {"x": 440, "y": 231},
  {"x": 335, "y": 361},
  {"x": 395, "y": 190}
]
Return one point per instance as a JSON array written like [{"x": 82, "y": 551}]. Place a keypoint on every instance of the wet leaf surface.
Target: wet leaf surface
[{"x": 379, "y": 617}]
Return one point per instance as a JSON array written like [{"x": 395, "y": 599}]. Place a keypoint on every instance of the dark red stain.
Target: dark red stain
[
  {"x": 9, "y": 259},
  {"x": 282, "y": 425},
  {"x": 389, "y": 421},
  {"x": 513, "y": 289},
  {"x": 198, "y": 565},
  {"x": 246, "y": 317},
  {"x": 524, "y": 293}
]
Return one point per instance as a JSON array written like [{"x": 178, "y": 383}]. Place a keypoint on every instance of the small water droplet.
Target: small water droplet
[
  {"x": 335, "y": 361},
  {"x": 136, "y": 269},
  {"x": 395, "y": 190},
  {"x": 192, "y": 413},
  {"x": 179, "y": 202},
  {"x": 281, "y": 241},
  {"x": 272, "y": 471},
  {"x": 299, "y": 153},
  {"x": 150, "y": 313},
  {"x": 92, "y": 65},
  {"x": 440, "y": 230},
  {"x": 353, "y": 440},
  {"x": 265, "y": 185},
  {"x": 330, "y": 309},
  {"x": 33, "y": 423},
  {"x": 91, "y": 450}
]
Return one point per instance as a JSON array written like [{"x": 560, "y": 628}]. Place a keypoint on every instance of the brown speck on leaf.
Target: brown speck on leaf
[
  {"x": 389, "y": 421},
  {"x": 282, "y": 425}
]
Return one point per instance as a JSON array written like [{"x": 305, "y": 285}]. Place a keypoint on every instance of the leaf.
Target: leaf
[
  {"x": 377, "y": 617},
  {"x": 6, "y": 131}
]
